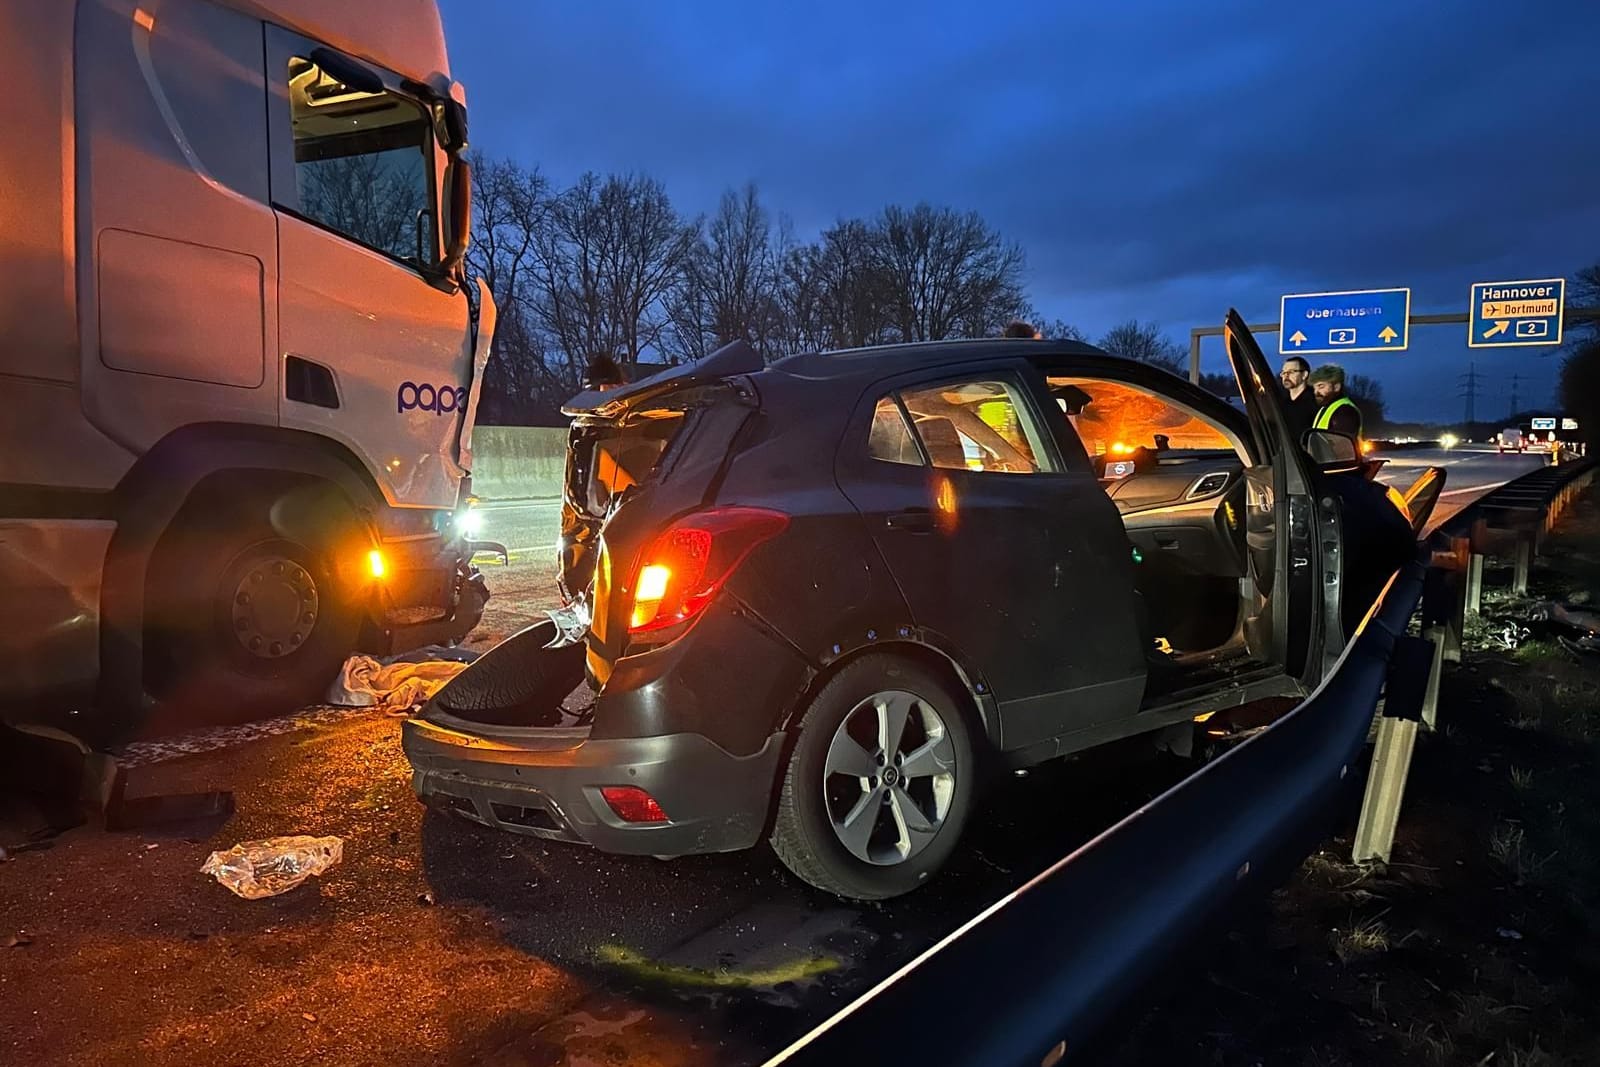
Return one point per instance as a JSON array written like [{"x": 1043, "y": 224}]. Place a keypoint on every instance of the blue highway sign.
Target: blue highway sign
[
  {"x": 1516, "y": 314},
  {"x": 1367, "y": 320}
]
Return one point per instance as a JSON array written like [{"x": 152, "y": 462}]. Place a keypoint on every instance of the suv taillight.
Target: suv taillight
[{"x": 684, "y": 567}]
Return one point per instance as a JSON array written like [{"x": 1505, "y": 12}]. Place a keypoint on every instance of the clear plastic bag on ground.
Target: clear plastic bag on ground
[{"x": 257, "y": 869}]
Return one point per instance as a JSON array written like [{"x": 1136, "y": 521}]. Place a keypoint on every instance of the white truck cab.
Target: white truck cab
[{"x": 240, "y": 357}]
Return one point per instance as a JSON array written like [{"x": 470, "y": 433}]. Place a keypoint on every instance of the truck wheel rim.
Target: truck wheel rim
[
  {"x": 889, "y": 777},
  {"x": 274, "y": 608}
]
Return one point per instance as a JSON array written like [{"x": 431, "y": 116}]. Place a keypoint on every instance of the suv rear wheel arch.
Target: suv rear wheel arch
[{"x": 978, "y": 708}]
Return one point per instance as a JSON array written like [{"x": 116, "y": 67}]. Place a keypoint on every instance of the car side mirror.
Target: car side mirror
[{"x": 1331, "y": 451}]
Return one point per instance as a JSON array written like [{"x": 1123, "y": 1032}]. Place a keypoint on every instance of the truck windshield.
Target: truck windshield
[{"x": 363, "y": 165}]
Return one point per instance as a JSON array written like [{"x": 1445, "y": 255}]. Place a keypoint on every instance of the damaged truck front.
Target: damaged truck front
[{"x": 241, "y": 356}]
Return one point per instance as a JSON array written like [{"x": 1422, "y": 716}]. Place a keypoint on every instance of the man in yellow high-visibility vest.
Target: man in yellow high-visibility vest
[{"x": 1337, "y": 412}]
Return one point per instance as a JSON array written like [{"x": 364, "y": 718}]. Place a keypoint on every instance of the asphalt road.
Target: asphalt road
[
  {"x": 439, "y": 942},
  {"x": 1470, "y": 472},
  {"x": 435, "y": 941}
]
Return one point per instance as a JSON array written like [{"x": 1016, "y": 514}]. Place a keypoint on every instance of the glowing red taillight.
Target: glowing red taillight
[
  {"x": 632, "y": 804},
  {"x": 683, "y": 568}
]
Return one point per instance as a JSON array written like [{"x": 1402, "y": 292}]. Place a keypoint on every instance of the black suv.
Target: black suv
[{"x": 825, "y": 596}]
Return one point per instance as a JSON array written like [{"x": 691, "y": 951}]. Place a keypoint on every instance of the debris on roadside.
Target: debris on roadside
[
  {"x": 257, "y": 869},
  {"x": 397, "y": 684},
  {"x": 572, "y": 622},
  {"x": 17, "y": 940},
  {"x": 1576, "y": 621},
  {"x": 1574, "y": 628}
]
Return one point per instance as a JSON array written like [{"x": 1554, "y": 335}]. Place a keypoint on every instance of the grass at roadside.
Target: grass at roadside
[{"x": 1480, "y": 942}]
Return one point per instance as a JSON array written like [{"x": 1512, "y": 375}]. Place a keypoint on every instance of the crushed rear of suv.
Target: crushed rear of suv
[{"x": 816, "y": 602}]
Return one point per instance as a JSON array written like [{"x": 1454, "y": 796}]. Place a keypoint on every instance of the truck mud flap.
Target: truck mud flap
[{"x": 519, "y": 682}]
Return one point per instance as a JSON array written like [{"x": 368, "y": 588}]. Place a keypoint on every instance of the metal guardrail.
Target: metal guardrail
[
  {"x": 1512, "y": 521},
  {"x": 1515, "y": 517},
  {"x": 1033, "y": 978}
]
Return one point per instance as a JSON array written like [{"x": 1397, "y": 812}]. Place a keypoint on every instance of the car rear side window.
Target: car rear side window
[
  {"x": 977, "y": 425},
  {"x": 890, "y": 439}
]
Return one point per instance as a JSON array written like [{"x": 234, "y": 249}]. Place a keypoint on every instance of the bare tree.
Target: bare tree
[
  {"x": 1585, "y": 294},
  {"x": 1145, "y": 342},
  {"x": 611, "y": 252},
  {"x": 853, "y": 289},
  {"x": 802, "y": 323},
  {"x": 511, "y": 205},
  {"x": 946, "y": 273},
  {"x": 1058, "y": 329},
  {"x": 729, "y": 285},
  {"x": 1367, "y": 392}
]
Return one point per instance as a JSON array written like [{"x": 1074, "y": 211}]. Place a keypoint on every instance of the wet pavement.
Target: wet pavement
[{"x": 436, "y": 941}]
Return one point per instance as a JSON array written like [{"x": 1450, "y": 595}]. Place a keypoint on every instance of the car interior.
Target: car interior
[{"x": 1177, "y": 478}]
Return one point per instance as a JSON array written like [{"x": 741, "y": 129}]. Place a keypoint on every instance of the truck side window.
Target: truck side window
[{"x": 363, "y": 165}]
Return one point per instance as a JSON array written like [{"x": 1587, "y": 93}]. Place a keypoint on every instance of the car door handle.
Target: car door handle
[
  {"x": 1166, "y": 541},
  {"x": 915, "y": 520}
]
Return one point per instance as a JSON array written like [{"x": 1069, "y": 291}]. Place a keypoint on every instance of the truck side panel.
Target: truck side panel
[
  {"x": 177, "y": 245},
  {"x": 38, "y": 318},
  {"x": 44, "y": 438}
]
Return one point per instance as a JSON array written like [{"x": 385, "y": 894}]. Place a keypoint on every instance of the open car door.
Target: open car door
[
  {"x": 1294, "y": 618},
  {"x": 1420, "y": 499}
]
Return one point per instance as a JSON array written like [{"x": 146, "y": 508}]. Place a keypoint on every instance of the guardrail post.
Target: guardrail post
[
  {"x": 1430, "y": 697},
  {"x": 1405, "y": 698},
  {"x": 1386, "y": 787},
  {"x": 1475, "y": 584},
  {"x": 1524, "y": 567}
]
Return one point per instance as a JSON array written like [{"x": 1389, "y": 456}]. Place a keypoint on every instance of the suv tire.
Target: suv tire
[{"x": 917, "y": 792}]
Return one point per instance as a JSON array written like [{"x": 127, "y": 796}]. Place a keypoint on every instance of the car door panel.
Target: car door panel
[
  {"x": 1259, "y": 541},
  {"x": 1028, "y": 575},
  {"x": 1286, "y": 560}
]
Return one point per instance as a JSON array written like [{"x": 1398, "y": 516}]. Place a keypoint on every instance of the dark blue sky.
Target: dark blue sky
[{"x": 1155, "y": 159}]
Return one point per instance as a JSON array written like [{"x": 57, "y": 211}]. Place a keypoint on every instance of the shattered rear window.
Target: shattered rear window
[{"x": 606, "y": 461}]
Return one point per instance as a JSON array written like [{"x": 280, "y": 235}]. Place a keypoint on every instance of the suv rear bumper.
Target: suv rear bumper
[{"x": 546, "y": 783}]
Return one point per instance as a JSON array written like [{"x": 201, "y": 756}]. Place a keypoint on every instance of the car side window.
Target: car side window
[
  {"x": 1115, "y": 418},
  {"x": 978, "y": 425},
  {"x": 890, "y": 439}
]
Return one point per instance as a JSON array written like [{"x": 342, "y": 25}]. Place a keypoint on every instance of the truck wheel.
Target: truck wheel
[
  {"x": 880, "y": 784},
  {"x": 243, "y": 623}
]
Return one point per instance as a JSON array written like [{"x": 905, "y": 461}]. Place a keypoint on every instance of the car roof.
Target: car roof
[{"x": 879, "y": 361}]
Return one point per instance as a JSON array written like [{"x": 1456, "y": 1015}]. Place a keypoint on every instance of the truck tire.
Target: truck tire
[
  {"x": 916, "y": 790},
  {"x": 243, "y": 622}
]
